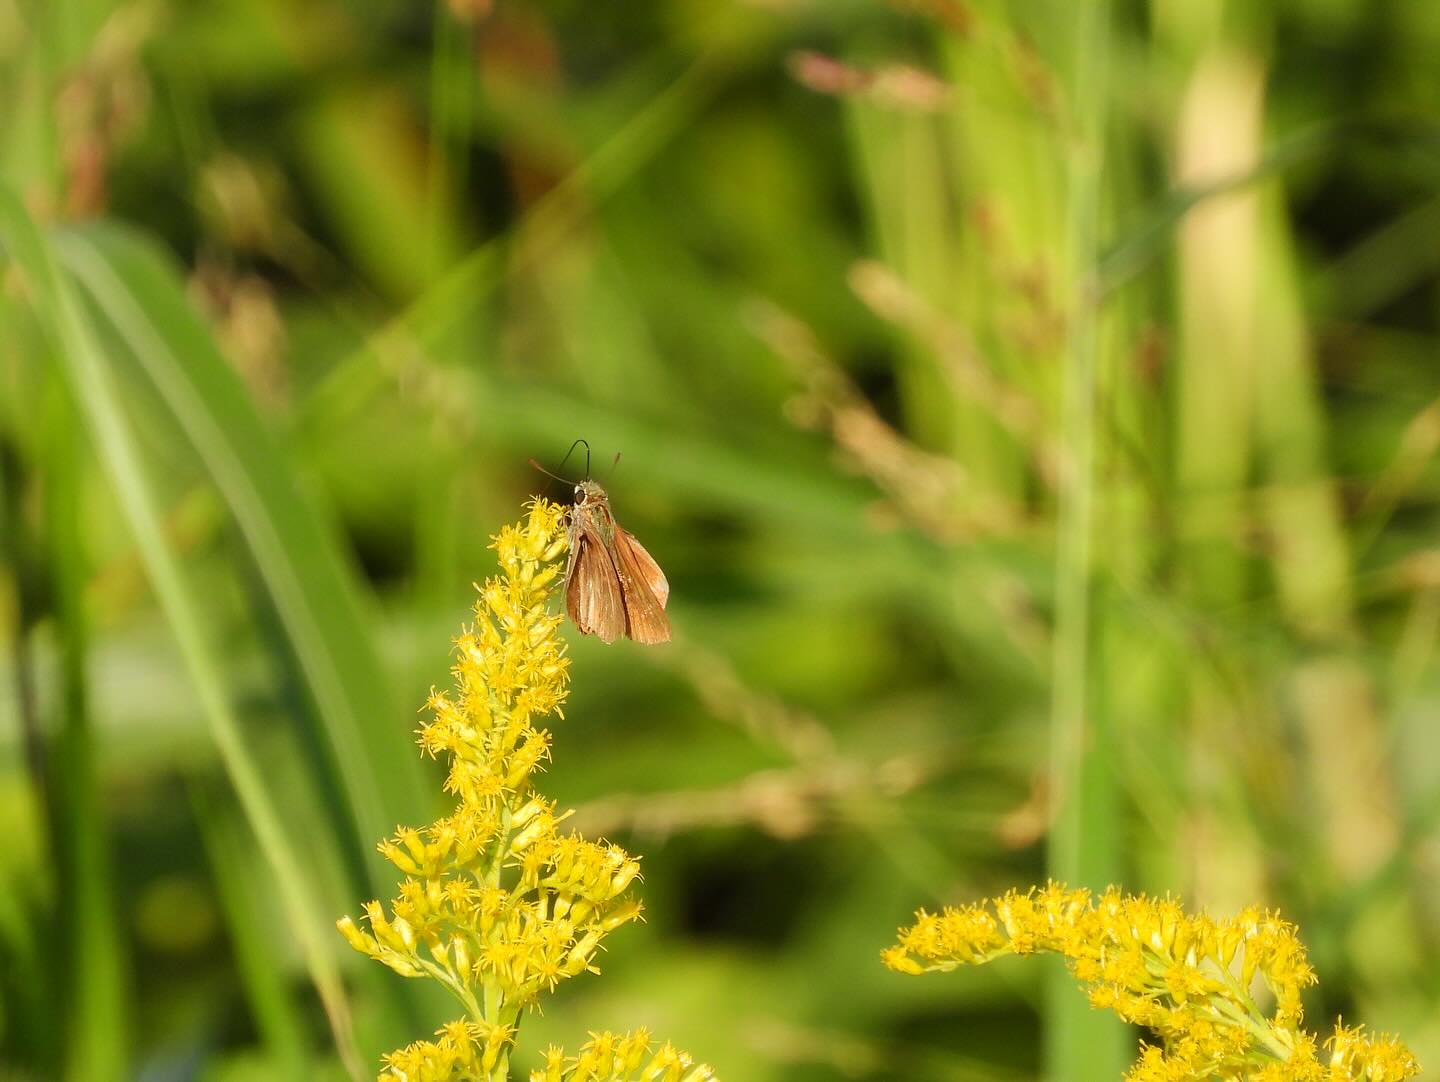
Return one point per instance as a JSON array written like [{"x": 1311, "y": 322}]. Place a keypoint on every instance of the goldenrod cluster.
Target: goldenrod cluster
[
  {"x": 463, "y": 1050},
  {"x": 620, "y": 1058},
  {"x": 1194, "y": 981},
  {"x": 498, "y": 904}
]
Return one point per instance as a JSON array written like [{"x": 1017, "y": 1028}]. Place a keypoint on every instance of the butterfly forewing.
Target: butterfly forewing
[
  {"x": 645, "y": 619},
  {"x": 593, "y": 595}
]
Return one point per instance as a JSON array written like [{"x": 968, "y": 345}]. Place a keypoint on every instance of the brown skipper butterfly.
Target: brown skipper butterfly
[{"x": 613, "y": 587}]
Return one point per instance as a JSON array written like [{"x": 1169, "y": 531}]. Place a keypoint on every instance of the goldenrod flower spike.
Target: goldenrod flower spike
[
  {"x": 497, "y": 904},
  {"x": 1190, "y": 979}
]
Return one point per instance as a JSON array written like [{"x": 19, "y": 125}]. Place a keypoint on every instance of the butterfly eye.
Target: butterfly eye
[{"x": 579, "y": 494}]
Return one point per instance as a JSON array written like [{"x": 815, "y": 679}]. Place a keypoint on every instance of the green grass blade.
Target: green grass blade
[
  {"x": 91, "y": 379},
  {"x": 32, "y": 970},
  {"x": 259, "y": 968},
  {"x": 96, "y": 1023},
  {"x": 295, "y": 558},
  {"x": 1081, "y": 1044}
]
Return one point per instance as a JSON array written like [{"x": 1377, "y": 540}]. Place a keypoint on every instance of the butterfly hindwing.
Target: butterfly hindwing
[
  {"x": 649, "y": 571},
  {"x": 645, "y": 619}
]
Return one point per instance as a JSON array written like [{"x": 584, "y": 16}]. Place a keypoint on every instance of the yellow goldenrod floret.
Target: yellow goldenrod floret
[
  {"x": 1192, "y": 980},
  {"x": 497, "y": 904},
  {"x": 610, "y": 1057}
]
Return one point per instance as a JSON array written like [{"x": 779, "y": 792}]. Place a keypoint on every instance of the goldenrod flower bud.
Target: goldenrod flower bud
[
  {"x": 363, "y": 943},
  {"x": 621, "y": 914},
  {"x": 460, "y": 952},
  {"x": 578, "y": 960}
]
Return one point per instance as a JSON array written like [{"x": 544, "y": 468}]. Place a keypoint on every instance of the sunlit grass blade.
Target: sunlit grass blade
[
  {"x": 297, "y": 560},
  {"x": 97, "y": 1026},
  {"x": 93, "y": 385}
]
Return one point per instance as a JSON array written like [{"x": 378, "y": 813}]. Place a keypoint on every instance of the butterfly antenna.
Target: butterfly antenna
[
  {"x": 556, "y": 476},
  {"x": 547, "y": 473},
  {"x": 570, "y": 452},
  {"x": 615, "y": 465}
]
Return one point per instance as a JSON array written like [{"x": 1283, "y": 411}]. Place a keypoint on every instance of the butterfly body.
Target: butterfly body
[{"x": 613, "y": 587}]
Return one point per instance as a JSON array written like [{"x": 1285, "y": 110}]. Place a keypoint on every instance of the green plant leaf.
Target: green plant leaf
[
  {"x": 296, "y": 559},
  {"x": 92, "y": 381}
]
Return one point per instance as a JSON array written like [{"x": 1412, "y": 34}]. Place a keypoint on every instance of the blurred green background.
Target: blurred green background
[{"x": 1034, "y": 406}]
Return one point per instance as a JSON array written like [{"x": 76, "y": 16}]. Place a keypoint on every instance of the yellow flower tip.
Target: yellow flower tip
[
  {"x": 967, "y": 935},
  {"x": 610, "y": 1057},
  {"x": 363, "y": 943},
  {"x": 898, "y": 958}
]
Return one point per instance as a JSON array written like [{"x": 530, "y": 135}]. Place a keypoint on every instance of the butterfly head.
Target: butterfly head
[{"x": 589, "y": 493}]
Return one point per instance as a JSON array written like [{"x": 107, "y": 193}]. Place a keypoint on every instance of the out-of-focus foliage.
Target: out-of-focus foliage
[{"x": 1032, "y": 406}]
